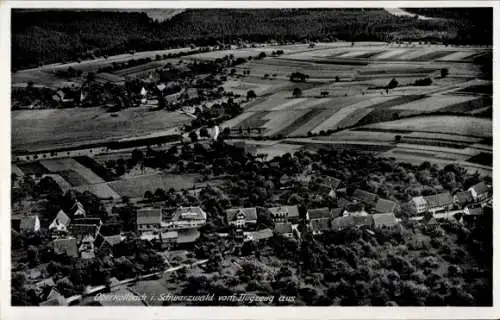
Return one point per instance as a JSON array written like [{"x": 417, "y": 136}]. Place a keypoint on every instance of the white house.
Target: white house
[
  {"x": 479, "y": 191},
  {"x": 240, "y": 217},
  {"x": 418, "y": 204}
]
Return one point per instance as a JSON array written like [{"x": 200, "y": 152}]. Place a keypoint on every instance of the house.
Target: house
[
  {"x": 66, "y": 246},
  {"x": 240, "y": 217},
  {"x": 86, "y": 248},
  {"x": 479, "y": 191},
  {"x": 107, "y": 243},
  {"x": 333, "y": 182},
  {"x": 82, "y": 227},
  {"x": 187, "y": 236},
  {"x": 283, "y": 229},
  {"x": 60, "y": 223},
  {"x": 318, "y": 219},
  {"x": 29, "y": 224},
  {"x": 341, "y": 223},
  {"x": 385, "y": 206},
  {"x": 77, "y": 210},
  {"x": 186, "y": 218},
  {"x": 365, "y": 197},
  {"x": 439, "y": 202},
  {"x": 149, "y": 219},
  {"x": 462, "y": 198},
  {"x": 40, "y": 286},
  {"x": 285, "y": 214},
  {"x": 384, "y": 220},
  {"x": 54, "y": 298},
  {"x": 418, "y": 204}
]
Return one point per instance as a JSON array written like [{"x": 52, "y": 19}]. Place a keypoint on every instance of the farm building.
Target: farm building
[
  {"x": 149, "y": 219},
  {"x": 479, "y": 191},
  {"x": 285, "y": 214},
  {"x": 240, "y": 217},
  {"x": 385, "y": 206},
  {"x": 384, "y": 220},
  {"x": 438, "y": 202},
  {"x": 418, "y": 204},
  {"x": 365, "y": 196},
  {"x": 30, "y": 224},
  {"x": 186, "y": 218},
  {"x": 66, "y": 246},
  {"x": 462, "y": 198},
  {"x": 258, "y": 235},
  {"x": 60, "y": 223}
]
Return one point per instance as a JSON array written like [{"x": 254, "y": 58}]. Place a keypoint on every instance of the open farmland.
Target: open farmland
[
  {"x": 467, "y": 126},
  {"x": 39, "y": 129}
]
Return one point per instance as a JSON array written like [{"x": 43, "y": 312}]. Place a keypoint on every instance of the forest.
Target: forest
[{"x": 41, "y": 37}]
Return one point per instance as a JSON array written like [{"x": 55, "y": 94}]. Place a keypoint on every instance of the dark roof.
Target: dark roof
[
  {"x": 83, "y": 229},
  {"x": 438, "y": 200},
  {"x": 249, "y": 213},
  {"x": 282, "y": 228},
  {"x": 49, "y": 282},
  {"x": 319, "y": 213},
  {"x": 85, "y": 221},
  {"x": 333, "y": 182},
  {"x": 475, "y": 211},
  {"x": 320, "y": 224},
  {"x": 291, "y": 211},
  {"x": 463, "y": 197},
  {"x": 149, "y": 216},
  {"x": 363, "y": 220},
  {"x": 28, "y": 223},
  {"x": 336, "y": 212},
  {"x": 65, "y": 246},
  {"x": 342, "y": 223},
  {"x": 187, "y": 235},
  {"x": 384, "y": 219},
  {"x": 364, "y": 196},
  {"x": 385, "y": 206},
  {"x": 113, "y": 240},
  {"x": 480, "y": 188}
]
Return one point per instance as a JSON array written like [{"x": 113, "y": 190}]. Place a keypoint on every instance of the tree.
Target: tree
[
  {"x": 397, "y": 138},
  {"x": 392, "y": 84},
  {"x": 193, "y": 136},
  {"x": 251, "y": 95},
  {"x": 337, "y": 79},
  {"x": 204, "y": 132},
  {"x": 325, "y": 93},
  {"x": 266, "y": 76},
  {"x": 444, "y": 72},
  {"x": 297, "y": 93},
  {"x": 148, "y": 195}
]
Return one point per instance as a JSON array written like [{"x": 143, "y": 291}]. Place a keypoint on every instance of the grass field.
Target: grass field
[
  {"x": 38, "y": 129},
  {"x": 137, "y": 186},
  {"x": 101, "y": 190},
  {"x": 75, "y": 171}
]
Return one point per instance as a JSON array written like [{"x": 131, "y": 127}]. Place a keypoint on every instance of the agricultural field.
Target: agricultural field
[
  {"x": 136, "y": 187},
  {"x": 38, "y": 129},
  {"x": 459, "y": 125}
]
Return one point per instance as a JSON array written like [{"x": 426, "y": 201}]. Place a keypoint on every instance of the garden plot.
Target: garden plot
[
  {"x": 460, "y": 125},
  {"x": 71, "y": 165},
  {"x": 101, "y": 190}
]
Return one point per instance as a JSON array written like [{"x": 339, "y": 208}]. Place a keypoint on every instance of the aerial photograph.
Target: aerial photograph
[{"x": 252, "y": 157}]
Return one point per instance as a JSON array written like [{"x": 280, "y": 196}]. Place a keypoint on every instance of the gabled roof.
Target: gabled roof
[
  {"x": 28, "y": 223},
  {"x": 55, "y": 301},
  {"x": 262, "y": 234},
  {"x": 187, "y": 236},
  {"x": 333, "y": 182},
  {"x": 437, "y": 200},
  {"x": 290, "y": 211},
  {"x": 65, "y": 246},
  {"x": 480, "y": 188},
  {"x": 113, "y": 240},
  {"x": 385, "y": 206},
  {"x": 384, "y": 219},
  {"x": 320, "y": 225},
  {"x": 463, "y": 197},
  {"x": 60, "y": 219},
  {"x": 364, "y": 196},
  {"x": 336, "y": 212},
  {"x": 363, "y": 220},
  {"x": 249, "y": 213},
  {"x": 85, "y": 221},
  {"x": 149, "y": 216},
  {"x": 189, "y": 213},
  {"x": 342, "y": 223},
  {"x": 319, "y": 213},
  {"x": 49, "y": 282},
  {"x": 83, "y": 229},
  {"x": 282, "y": 228}
]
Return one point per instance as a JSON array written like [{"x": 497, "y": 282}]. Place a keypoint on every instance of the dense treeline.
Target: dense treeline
[{"x": 55, "y": 36}]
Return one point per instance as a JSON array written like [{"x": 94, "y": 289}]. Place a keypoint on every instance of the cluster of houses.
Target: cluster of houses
[{"x": 476, "y": 196}]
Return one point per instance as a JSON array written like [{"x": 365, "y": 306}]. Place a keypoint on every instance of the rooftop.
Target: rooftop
[
  {"x": 248, "y": 213},
  {"x": 289, "y": 211},
  {"x": 384, "y": 219},
  {"x": 385, "y": 206},
  {"x": 319, "y": 213}
]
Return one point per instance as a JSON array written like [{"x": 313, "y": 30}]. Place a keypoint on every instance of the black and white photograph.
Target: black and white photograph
[{"x": 251, "y": 157}]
